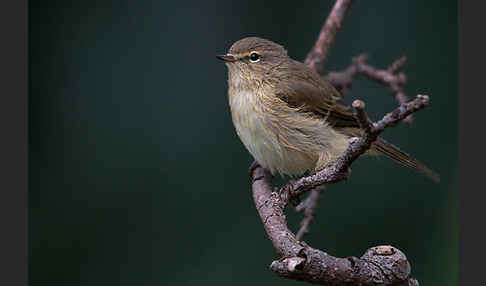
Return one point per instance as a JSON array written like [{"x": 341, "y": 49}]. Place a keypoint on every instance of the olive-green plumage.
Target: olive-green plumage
[{"x": 288, "y": 116}]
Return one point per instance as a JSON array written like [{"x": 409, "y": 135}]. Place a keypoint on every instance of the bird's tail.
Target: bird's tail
[{"x": 380, "y": 146}]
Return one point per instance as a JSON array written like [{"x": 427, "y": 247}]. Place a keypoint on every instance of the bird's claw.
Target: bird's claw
[{"x": 252, "y": 168}]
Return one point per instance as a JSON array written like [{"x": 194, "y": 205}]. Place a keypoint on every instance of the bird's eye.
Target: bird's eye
[{"x": 254, "y": 57}]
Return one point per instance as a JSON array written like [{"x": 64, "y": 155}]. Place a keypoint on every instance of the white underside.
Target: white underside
[{"x": 278, "y": 142}]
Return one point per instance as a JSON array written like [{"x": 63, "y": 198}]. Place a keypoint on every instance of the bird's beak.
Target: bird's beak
[{"x": 227, "y": 58}]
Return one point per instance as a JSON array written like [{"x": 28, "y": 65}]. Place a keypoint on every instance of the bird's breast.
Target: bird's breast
[{"x": 260, "y": 130}]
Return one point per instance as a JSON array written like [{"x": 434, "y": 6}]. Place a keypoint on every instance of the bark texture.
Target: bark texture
[{"x": 379, "y": 265}]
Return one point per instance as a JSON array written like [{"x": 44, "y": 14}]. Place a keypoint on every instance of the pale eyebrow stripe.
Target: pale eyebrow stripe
[{"x": 240, "y": 55}]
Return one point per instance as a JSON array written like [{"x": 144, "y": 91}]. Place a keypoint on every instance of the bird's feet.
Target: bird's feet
[
  {"x": 285, "y": 193},
  {"x": 251, "y": 171}
]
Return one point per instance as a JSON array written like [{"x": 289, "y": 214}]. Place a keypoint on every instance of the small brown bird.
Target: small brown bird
[{"x": 288, "y": 116}]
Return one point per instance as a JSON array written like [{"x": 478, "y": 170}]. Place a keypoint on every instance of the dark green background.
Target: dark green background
[{"x": 137, "y": 176}]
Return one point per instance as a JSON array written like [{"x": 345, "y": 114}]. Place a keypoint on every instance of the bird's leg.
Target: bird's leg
[
  {"x": 285, "y": 193},
  {"x": 251, "y": 169},
  {"x": 294, "y": 200}
]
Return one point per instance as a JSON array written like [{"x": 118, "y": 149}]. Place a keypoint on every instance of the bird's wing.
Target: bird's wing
[{"x": 309, "y": 92}]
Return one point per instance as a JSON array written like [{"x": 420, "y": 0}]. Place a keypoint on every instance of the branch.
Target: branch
[
  {"x": 358, "y": 145},
  {"x": 395, "y": 82},
  {"x": 318, "y": 55},
  {"x": 309, "y": 207},
  {"x": 315, "y": 60},
  {"x": 381, "y": 265}
]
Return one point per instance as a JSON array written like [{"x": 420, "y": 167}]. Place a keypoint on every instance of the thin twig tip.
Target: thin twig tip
[{"x": 423, "y": 97}]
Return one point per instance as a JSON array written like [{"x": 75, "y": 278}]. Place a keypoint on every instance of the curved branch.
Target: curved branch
[
  {"x": 381, "y": 265},
  {"x": 395, "y": 82},
  {"x": 315, "y": 60},
  {"x": 358, "y": 145}
]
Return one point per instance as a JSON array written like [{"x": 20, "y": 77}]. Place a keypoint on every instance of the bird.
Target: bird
[{"x": 290, "y": 118}]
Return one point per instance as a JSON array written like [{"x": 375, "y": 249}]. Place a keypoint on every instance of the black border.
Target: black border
[
  {"x": 471, "y": 141},
  {"x": 14, "y": 145}
]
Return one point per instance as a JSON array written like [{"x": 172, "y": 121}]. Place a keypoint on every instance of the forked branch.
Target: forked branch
[
  {"x": 381, "y": 265},
  {"x": 391, "y": 78},
  {"x": 358, "y": 146}
]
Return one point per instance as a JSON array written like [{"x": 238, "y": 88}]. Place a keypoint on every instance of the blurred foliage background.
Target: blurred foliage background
[{"x": 137, "y": 176}]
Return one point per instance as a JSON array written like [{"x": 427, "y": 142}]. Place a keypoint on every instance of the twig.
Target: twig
[
  {"x": 308, "y": 207},
  {"x": 318, "y": 55},
  {"x": 338, "y": 171},
  {"x": 315, "y": 60},
  {"x": 397, "y": 65},
  {"x": 363, "y": 120},
  {"x": 380, "y": 265},
  {"x": 389, "y": 78}
]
